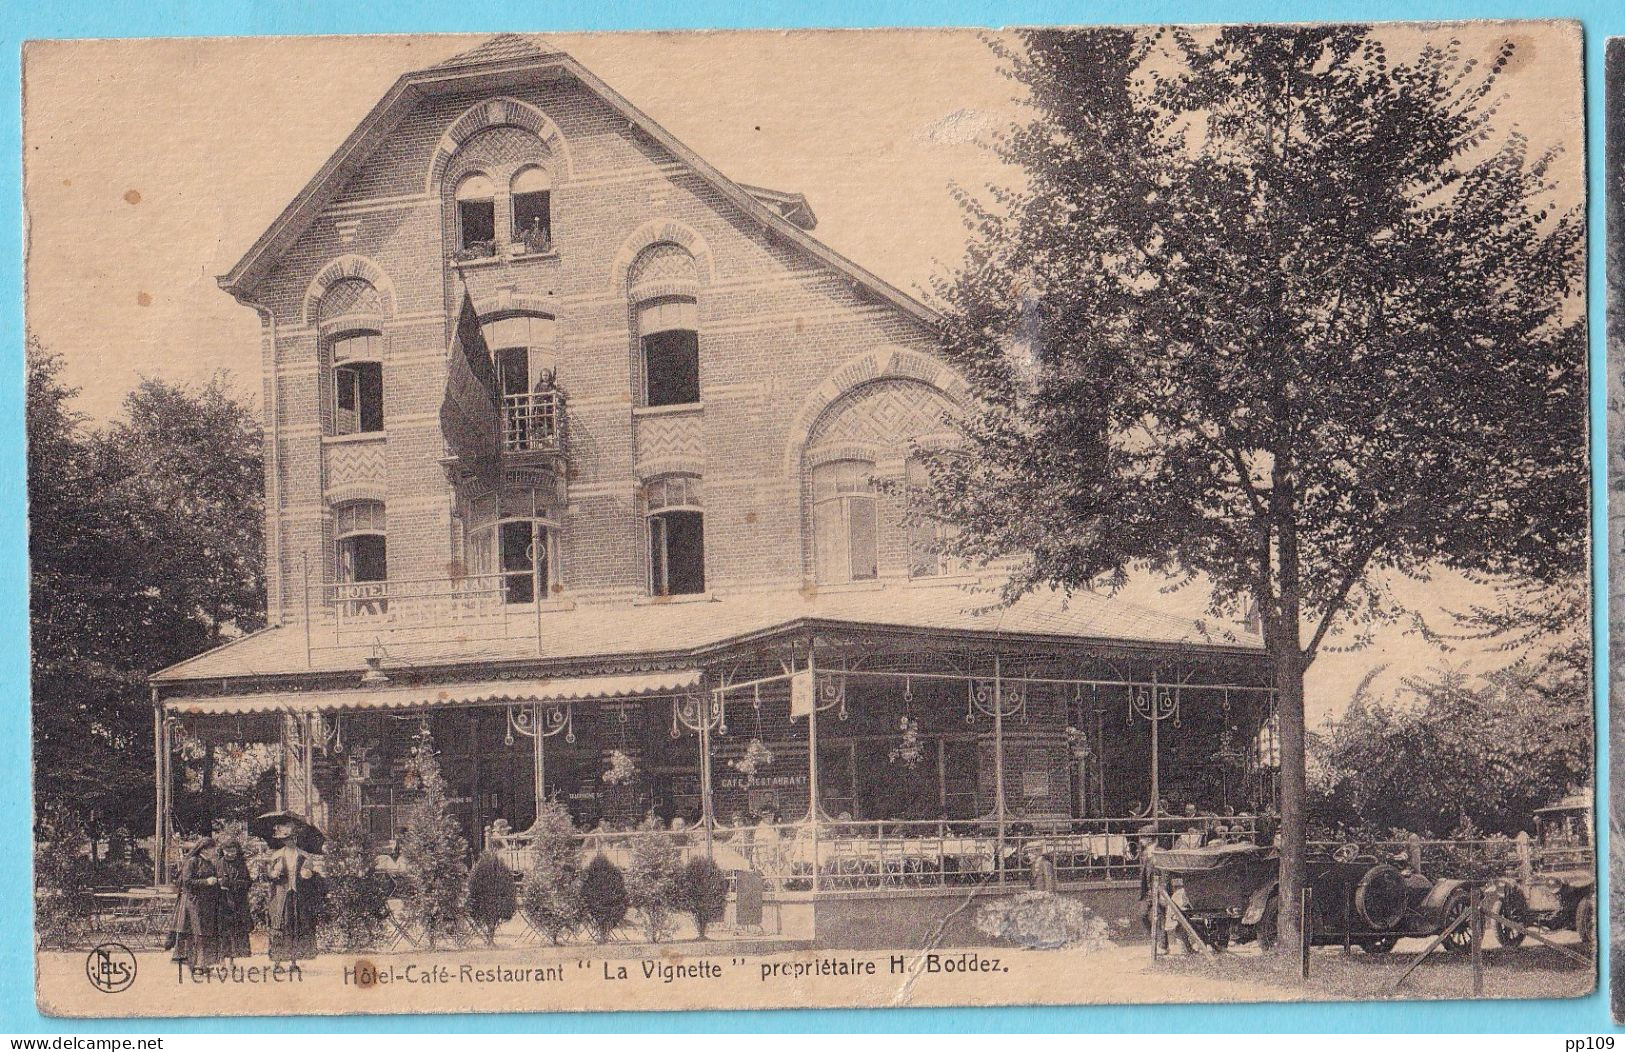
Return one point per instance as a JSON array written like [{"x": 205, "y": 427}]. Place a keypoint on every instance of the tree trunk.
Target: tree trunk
[
  {"x": 1284, "y": 643},
  {"x": 1289, "y": 668}
]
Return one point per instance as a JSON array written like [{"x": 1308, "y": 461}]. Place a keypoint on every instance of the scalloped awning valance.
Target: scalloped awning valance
[{"x": 439, "y": 695}]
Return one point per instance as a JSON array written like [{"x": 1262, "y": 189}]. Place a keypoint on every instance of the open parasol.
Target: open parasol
[{"x": 272, "y": 827}]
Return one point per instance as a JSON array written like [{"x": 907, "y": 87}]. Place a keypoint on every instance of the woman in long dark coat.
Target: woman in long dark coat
[
  {"x": 197, "y": 933},
  {"x": 235, "y": 921},
  {"x": 294, "y": 898}
]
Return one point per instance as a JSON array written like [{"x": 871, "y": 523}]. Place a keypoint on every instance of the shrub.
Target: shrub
[
  {"x": 651, "y": 882},
  {"x": 492, "y": 896},
  {"x": 63, "y": 876},
  {"x": 1043, "y": 920},
  {"x": 603, "y": 897},
  {"x": 357, "y": 894},
  {"x": 551, "y": 897},
  {"x": 702, "y": 892},
  {"x": 434, "y": 883}
]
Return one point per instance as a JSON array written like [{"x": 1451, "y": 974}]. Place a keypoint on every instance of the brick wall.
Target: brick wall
[{"x": 784, "y": 341}]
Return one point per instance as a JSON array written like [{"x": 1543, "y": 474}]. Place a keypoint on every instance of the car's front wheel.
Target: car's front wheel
[
  {"x": 1510, "y": 906},
  {"x": 1456, "y": 907}
]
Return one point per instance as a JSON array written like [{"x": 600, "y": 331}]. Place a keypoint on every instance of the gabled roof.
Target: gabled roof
[
  {"x": 504, "y": 47},
  {"x": 503, "y": 63}
]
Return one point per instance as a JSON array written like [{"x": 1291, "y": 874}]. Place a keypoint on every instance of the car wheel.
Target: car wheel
[
  {"x": 1510, "y": 906},
  {"x": 1585, "y": 920},
  {"x": 1460, "y": 940}
]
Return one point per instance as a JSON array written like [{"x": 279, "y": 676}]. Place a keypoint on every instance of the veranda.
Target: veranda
[{"x": 936, "y": 759}]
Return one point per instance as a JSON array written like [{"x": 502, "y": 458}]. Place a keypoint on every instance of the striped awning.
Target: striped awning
[{"x": 442, "y": 695}]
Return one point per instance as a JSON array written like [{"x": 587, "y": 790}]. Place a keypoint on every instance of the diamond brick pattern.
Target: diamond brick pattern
[
  {"x": 350, "y": 296},
  {"x": 886, "y": 413}
]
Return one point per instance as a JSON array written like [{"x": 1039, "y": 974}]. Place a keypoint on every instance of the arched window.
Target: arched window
[
  {"x": 358, "y": 383},
  {"x": 476, "y": 214},
  {"x": 358, "y": 534},
  {"x": 531, "y": 190},
  {"x": 927, "y": 534},
  {"x": 676, "y": 536},
  {"x": 513, "y": 545},
  {"x": 668, "y": 332},
  {"x": 844, "y": 521}
]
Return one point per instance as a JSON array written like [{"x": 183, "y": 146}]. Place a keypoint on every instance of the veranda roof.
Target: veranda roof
[
  {"x": 681, "y": 633},
  {"x": 575, "y": 688}
]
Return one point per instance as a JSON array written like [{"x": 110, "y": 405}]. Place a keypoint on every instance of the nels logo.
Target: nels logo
[{"x": 110, "y": 967}]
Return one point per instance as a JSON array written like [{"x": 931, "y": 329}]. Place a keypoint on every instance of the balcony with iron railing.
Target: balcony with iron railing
[
  {"x": 533, "y": 425},
  {"x": 481, "y": 607}
]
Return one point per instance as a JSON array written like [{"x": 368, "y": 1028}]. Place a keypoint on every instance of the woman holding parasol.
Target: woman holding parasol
[{"x": 295, "y": 886}]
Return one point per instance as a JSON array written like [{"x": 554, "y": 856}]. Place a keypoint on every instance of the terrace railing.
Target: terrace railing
[
  {"x": 1475, "y": 859},
  {"x": 856, "y": 856},
  {"x": 476, "y": 606}
]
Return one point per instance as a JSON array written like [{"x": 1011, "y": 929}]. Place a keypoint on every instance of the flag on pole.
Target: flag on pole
[{"x": 469, "y": 416}]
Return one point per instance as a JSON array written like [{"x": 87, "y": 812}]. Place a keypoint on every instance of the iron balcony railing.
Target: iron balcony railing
[
  {"x": 533, "y": 422},
  {"x": 474, "y": 607}
]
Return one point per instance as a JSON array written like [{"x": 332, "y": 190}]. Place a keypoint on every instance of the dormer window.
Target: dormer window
[
  {"x": 358, "y": 383},
  {"x": 531, "y": 192},
  {"x": 476, "y": 215}
]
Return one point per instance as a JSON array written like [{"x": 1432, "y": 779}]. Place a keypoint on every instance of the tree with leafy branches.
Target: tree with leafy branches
[
  {"x": 1276, "y": 313},
  {"x": 493, "y": 895},
  {"x": 433, "y": 851},
  {"x": 357, "y": 894},
  {"x": 551, "y": 893},
  {"x": 144, "y": 549},
  {"x": 652, "y": 874}
]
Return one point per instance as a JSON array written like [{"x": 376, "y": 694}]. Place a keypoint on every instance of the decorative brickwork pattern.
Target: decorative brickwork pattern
[
  {"x": 887, "y": 414},
  {"x": 352, "y": 464},
  {"x": 348, "y": 297},
  {"x": 502, "y": 112},
  {"x": 670, "y": 442}
]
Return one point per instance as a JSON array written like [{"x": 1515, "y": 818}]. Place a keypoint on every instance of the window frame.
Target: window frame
[
  {"x": 516, "y": 233},
  {"x": 493, "y": 529},
  {"x": 683, "y": 321},
  {"x": 843, "y": 500},
  {"x": 660, "y": 504},
  {"x": 347, "y": 352},
  {"x": 344, "y": 536},
  {"x": 462, "y": 198}
]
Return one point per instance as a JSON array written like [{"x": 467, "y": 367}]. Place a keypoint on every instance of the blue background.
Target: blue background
[{"x": 21, "y": 20}]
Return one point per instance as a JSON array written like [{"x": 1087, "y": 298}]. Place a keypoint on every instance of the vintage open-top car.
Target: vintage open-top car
[
  {"x": 1229, "y": 893},
  {"x": 1555, "y": 883}
]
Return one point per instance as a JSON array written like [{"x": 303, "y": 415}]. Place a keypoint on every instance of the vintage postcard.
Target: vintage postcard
[{"x": 736, "y": 520}]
